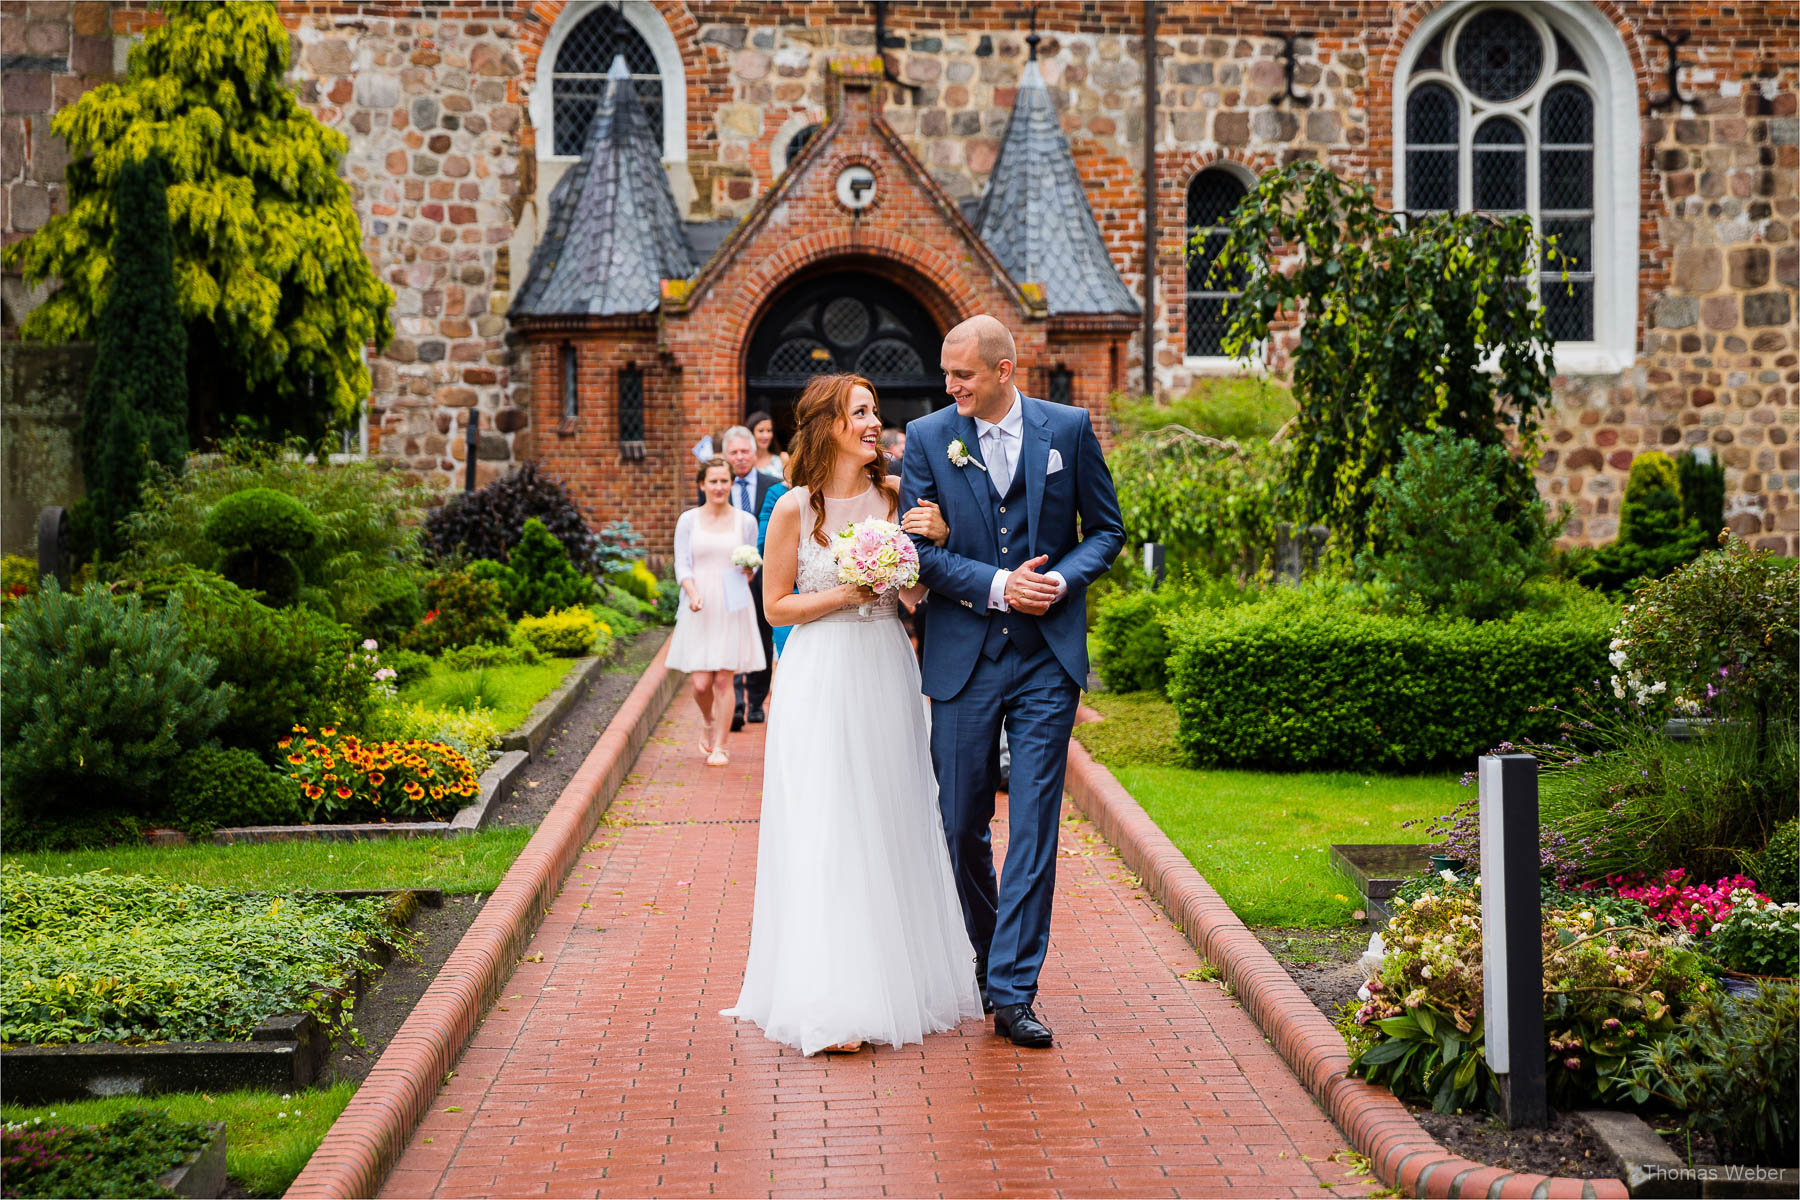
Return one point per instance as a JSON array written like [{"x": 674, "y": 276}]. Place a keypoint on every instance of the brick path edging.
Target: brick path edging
[
  {"x": 1403, "y": 1155},
  {"x": 363, "y": 1144}
]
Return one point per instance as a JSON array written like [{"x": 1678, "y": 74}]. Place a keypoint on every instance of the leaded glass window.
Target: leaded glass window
[
  {"x": 1500, "y": 118},
  {"x": 571, "y": 383},
  {"x": 1062, "y": 385},
  {"x": 631, "y": 411},
  {"x": 578, "y": 82},
  {"x": 1212, "y": 195}
]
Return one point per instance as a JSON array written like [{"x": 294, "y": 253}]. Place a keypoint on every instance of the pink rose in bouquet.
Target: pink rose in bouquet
[{"x": 877, "y": 555}]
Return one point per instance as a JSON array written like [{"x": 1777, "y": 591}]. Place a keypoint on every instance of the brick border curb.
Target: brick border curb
[
  {"x": 1402, "y": 1154},
  {"x": 368, "y": 1136}
]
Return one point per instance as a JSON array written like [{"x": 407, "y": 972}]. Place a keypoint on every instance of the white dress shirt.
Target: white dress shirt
[{"x": 1002, "y": 443}]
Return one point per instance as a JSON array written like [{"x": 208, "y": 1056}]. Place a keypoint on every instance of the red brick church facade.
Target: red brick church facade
[{"x": 463, "y": 116}]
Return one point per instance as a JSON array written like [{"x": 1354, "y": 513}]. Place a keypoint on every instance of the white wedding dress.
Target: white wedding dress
[{"x": 857, "y": 934}]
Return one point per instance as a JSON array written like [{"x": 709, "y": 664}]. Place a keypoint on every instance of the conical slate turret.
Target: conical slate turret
[
  {"x": 614, "y": 233},
  {"x": 1035, "y": 215}
]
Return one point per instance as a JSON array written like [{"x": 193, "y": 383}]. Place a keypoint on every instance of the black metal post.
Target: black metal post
[
  {"x": 53, "y": 544},
  {"x": 1512, "y": 947},
  {"x": 1150, "y": 186},
  {"x": 1155, "y": 562},
  {"x": 471, "y": 440}
]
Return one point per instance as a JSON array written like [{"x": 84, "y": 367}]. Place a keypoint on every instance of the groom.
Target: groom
[{"x": 1006, "y": 640}]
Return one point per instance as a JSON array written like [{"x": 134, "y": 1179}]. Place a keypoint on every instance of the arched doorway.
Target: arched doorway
[{"x": 846, "y": 321}]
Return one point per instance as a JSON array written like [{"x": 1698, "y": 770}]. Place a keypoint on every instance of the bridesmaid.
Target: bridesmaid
[
  {"x": 769, "y": 458},
  {"x": 715, "y": 626}
]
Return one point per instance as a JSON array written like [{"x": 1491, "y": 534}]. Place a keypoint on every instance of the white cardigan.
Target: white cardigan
[{"x": 684, "y": 540}]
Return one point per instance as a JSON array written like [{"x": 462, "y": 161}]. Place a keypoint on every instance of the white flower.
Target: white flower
[
  {"x": 1618, "y": 688},
  {"x": 1659, "y": 687},
  {"x": 369, "y": 644},
  {"x": 1425, "y": 971},
  {"x": 959, "y": 454},
  {"x": 1617, "y": 658},
  {"x": 1448, "y": 876},
  {"x": 1617, "y": 644}
]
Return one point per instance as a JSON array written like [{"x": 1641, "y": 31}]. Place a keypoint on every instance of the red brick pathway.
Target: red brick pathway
[{"x": 606, "y": 1070}]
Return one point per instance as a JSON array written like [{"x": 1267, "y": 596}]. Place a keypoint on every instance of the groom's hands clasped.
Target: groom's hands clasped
[{"x": 1029, "y": 592}]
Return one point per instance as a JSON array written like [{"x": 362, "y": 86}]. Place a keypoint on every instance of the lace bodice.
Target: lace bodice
[{"x": 816, "y": 569}]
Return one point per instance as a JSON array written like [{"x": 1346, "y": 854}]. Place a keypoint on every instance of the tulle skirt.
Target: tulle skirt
[
  {"x": 857, "y": 934},
  {"x": 714, "y": 639}
]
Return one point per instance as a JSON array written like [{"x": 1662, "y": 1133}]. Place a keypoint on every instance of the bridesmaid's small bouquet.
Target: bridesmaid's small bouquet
[
  {"x": 877, "y": 555},
  {"x": 746, "y": 558}
]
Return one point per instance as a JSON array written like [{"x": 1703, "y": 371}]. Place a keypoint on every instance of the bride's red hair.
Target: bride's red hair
[{"x": 824, "y": 408}]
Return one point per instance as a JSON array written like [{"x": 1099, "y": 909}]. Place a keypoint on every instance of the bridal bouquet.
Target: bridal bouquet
[
  {"x": 876, "y": 555},
  {"x": 746, "y": 558}
]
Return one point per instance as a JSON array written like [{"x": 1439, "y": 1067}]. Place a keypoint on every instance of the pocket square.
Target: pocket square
[{"x": 1055, "y": 462}]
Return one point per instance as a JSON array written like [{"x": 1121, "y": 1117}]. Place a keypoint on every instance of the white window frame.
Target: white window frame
[
  {"x": 1215, "y": 364},
  {"x": 642, "y": 16},
  {"x": 1612, "y": 84}
]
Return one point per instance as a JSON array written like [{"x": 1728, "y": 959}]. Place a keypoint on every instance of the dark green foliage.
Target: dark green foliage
[
  {"x": 391, "y": 605},
  {"x": 1702, "y": 492},
  {"x": 408, "y": 666},
  {"x": 1730, "y": 1068},
  {"x": 1309, "y": 679},
  {"x": 621, "y": 624},
  {"x": 93, "y": 829},
  {"x": 97, "y": 697},
  {"x": 668, "y": 596},
  {"x": 538, "y": 578},
  {"x": 1131, "y": 646},
  {"x": 1655, "y": 533},
  {"x": 367, "y": 514},
  {"x": 1397, "y": 315},
  {"x": 123, "y": 1157},
  {"x": 286, "y": 666},
  {"x": 1776, "y": 867},
  {"x": 1244, "y": 408},
  {"x": 1440, "y": 537},
  {"x": 258, "y": 529},
  {"x": 135, "y": 413},
  {"x": 460, "y": 610},
  {"x": 489, "y": 523},
  {"x": 209, "y": 788},
  {"x": 1139, "y": 729}
]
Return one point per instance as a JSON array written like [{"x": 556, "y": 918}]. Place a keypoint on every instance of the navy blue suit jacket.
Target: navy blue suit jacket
[{"x": 1073, "y": 517}]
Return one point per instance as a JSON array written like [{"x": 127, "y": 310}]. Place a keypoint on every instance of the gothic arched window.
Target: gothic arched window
[
  {"x": 578, "y": 79},
  {"x": 1501, "y": 115},
  {"x": 1212, "y": 194}
]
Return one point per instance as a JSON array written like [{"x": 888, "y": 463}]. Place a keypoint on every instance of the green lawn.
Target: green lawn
[
  {"x": 268, "y": 1137},
  {"x": 456, "y": 865},
  {"x": 1261, "y": 837},
  {"x": 510, "y": 691}
]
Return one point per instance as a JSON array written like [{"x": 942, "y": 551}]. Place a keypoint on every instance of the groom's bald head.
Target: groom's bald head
[
  {"x": 993, "y": 341},
  {"x": 978, "y": 361}
]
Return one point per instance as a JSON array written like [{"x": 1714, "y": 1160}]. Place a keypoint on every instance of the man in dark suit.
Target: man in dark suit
[
  {"x": 748, "y": 488},
  {"x": 893, "y": 444}
]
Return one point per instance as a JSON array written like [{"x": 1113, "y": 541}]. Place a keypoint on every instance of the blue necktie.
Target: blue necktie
[{"x": 744, "y": 492}]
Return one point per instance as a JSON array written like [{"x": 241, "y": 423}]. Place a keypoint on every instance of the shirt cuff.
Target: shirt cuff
[
  {"x": 1062, "y": 585},
  {"x": 997, "y": 591}
]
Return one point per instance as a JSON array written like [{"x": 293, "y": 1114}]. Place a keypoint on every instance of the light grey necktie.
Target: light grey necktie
[{"x": 999, "y": 459}]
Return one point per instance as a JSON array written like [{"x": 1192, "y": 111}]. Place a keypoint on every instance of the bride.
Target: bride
[{"x": 857, "y": 934}]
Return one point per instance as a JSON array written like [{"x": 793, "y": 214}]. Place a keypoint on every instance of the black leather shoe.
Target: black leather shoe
[
  {"x": 754, "y": 716},
  {"x": 737, "y": 721},
  {"x": 1021, "y": 1025}
]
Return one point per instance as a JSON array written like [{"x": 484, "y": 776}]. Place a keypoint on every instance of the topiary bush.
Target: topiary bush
[
  {"x": 460, "y": 610},
  {"x": 1440, "y": 534},
  {"x": 98, "y": 695},
  {"x": 1307, "y": 677},
  {"x": 391, "y": 605},
  {"x": 368, "y": 516},
  {"x": 1776, "y": 867},
  {"x": 1130, "y": 646},
  {"x": 1655, "y": 534},
  {"x": 209, "y": 788},
  {"x": 569, "y": 633},
  {"x": 259, "y": 529},
  {"x": 285, "y": 666},
  {"x": 538, "y": 578},
  {"x": 488, "y": 523}
]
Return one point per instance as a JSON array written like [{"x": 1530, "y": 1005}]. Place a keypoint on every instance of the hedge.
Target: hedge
[{"x": 1305, "y": 681}]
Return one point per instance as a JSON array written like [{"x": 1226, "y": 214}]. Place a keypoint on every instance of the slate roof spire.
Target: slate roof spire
[
  {"x": 1035, "y": 215},
  {"x": 614, "y": 233}
]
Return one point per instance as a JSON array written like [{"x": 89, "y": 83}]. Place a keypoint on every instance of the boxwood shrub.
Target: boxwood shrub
[{"x": 1307, "y": 678}]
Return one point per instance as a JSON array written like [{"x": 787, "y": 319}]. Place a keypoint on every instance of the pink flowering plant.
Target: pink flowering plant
[
  {"x": 877, "y": 555},
  {"x": 1693, "y": 907},
  {"x": 1609, "y": 986}
]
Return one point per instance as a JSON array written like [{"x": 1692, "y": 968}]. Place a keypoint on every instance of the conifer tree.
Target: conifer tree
[
  {"x": 136, "y": 408},
  {"x": 277, "y": 294}
]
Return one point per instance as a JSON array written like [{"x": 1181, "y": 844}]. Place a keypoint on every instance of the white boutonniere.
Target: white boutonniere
[{"x": 960, "y": 456}]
